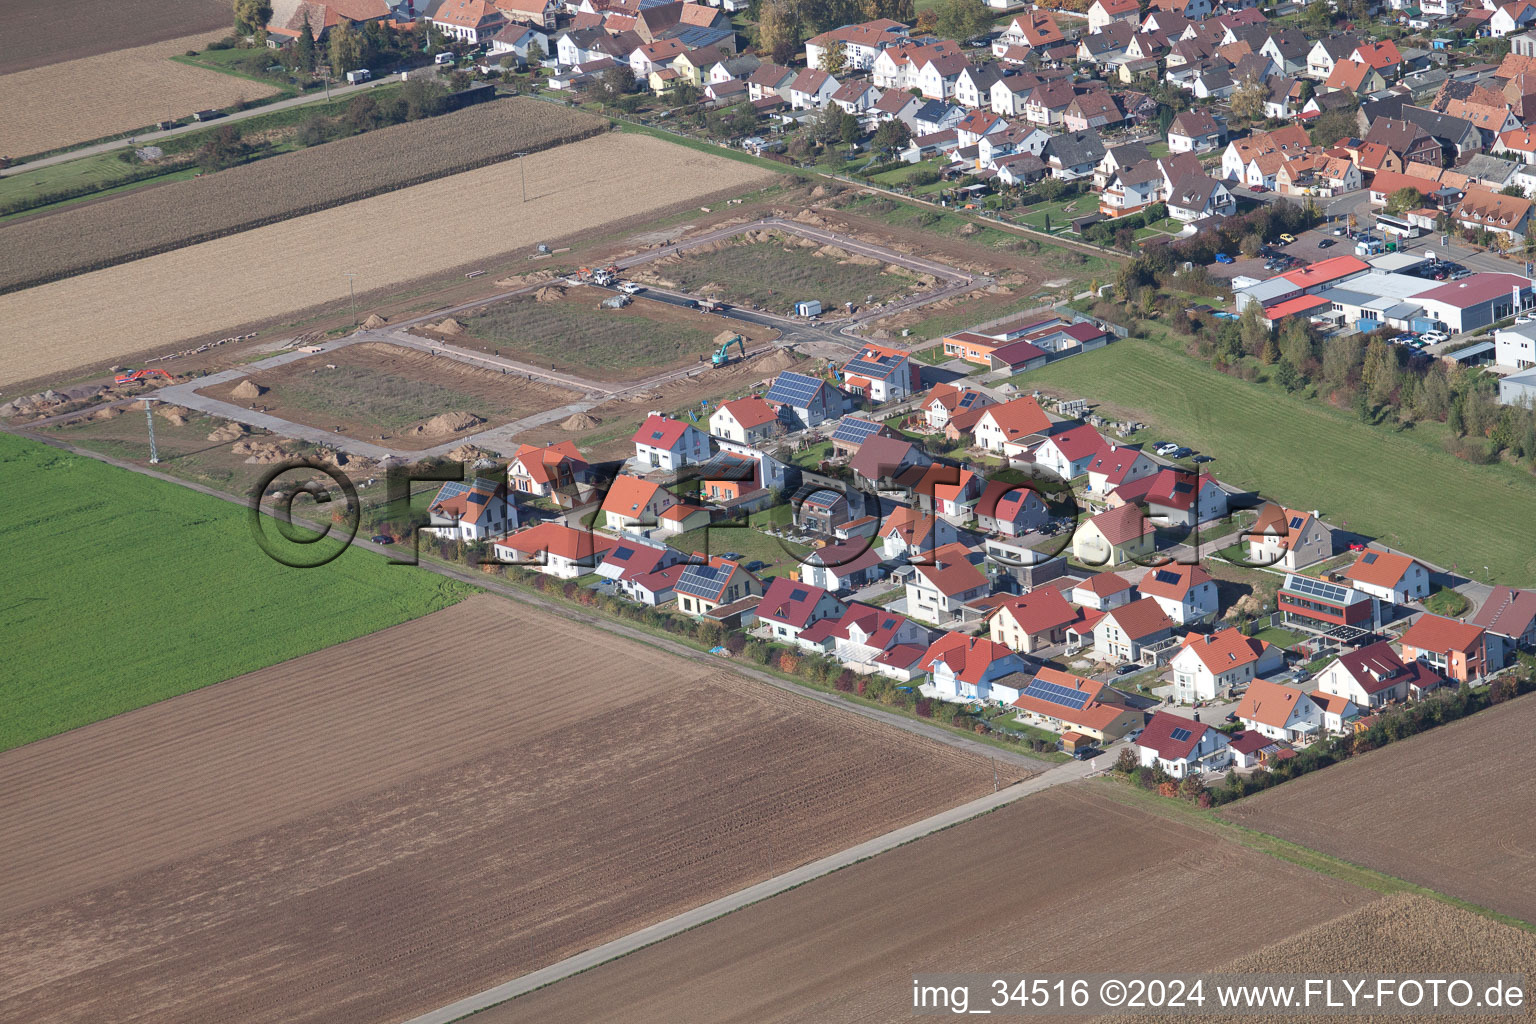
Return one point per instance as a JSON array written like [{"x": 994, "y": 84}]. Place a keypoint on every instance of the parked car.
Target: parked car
[
  {"x": 1325, "y": 243},
  {"x": 755, "y": 565},
  {"x": 1525, "y": 318},
  {"x": 1222, "y": 257},
  {"x": 1341, "y": 231},
  {"x": 1205, "y": 458},
  {"x": 1181, "y": 453},
  {"x": 1086, "y": 753},
  {"x": 1164, "y": 447},
  {"x": 1434, "y": 337},
  {"x": 1259, "y": 188},
  {"x": 380, "y": 538},
  {"x": 1356, "y": 546},
  {"x": 1287, "y": 239},
  {"x": 1126, "y": 669},
  {"x": 732, "y": 556},
  {"x": 630, "y": 287}
]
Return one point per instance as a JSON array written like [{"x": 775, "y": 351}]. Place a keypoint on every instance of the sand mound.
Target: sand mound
[
  {"x": 778, "y": 359},
  {"x": 175, "y": 414},
  {"x": 259, "y": 453},
  {"x": 469, "y": 453},
  {"x": 109, "y": 413},
  {"x": 447, "y": 423},
  {"x": 374, "y": 322},
  {"x": 230, "y": 431},
  {"x": 248, "y": 389},
  {"x": 580, "y": 421},
  {"x": 449, "y": 326},
  {"x": 549, "y": 293},
  {"x": 724, "y": 337}
]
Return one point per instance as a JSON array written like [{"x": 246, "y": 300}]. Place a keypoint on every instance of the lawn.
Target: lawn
[
  {"x": 902, "y": 175},
  {"x": 580, "y": 335},
  {"x": 1446, "y": 602},
  {"x": 1056, "y": 217},
  {"x": 376, "y": 398},
  {"x": 177, "y": 594},
  {"x": 719, "y": 538},
  {"x": 1279, "y": 637},
  {"x": 776, "y": 274},
  {"x": 1401, "y": 486}
]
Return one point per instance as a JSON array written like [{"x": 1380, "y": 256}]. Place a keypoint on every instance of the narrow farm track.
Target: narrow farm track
[{"x": 383, "y": 826}]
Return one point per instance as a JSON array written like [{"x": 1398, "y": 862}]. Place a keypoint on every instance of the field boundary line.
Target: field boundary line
[{"x": 1069, "y": 771}]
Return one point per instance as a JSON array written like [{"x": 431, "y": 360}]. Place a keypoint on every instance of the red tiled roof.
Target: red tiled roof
[
  {"x": 628, "y": 495},
  {"x": 1020, "y": 417},
  {"x": 1104, "y": 584},
  {"x": 1078, "y": 442},
  {"x": 660, "y": 432},
  {"x": 1225, "y": 649},
  {"x": 790, "y": 602},
  {"x": 1379, "y": 568},
  {"x": 1123, "y": 524},
  {"x": 1439, "y": 634},
  {"x": 949, "y": 571},
  {"x": 558, "y": 539},
  {"x": 1140, "y": 618},
  {"x": 1158, "y": 736},
  {"x": 1172, "y": 581},
  {"x": 1039, "y": 611},
  {"x": 749, "y": 412},
  {"x": 969, "y": 657},
  {"x": 1269, "y": 703}
]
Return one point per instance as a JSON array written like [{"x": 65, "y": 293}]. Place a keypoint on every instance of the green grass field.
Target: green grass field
[
  {"x": 123, "y": 591},
  {"x": 752, "y": 545},
  {"x": 583, "y": 336},
  {"x": 774, "y": 275},
  {"x": 1401, "y": 486}
]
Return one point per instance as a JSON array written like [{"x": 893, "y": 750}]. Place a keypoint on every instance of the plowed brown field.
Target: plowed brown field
[
  {"x": 1431, "y": 809},
  {"x": 153, "y": 305},
  {"x": 380, "y": 828},
  {"x": 1062, "y": 881}
]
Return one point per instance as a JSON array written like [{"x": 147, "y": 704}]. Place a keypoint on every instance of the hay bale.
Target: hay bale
[
  {"x": 374, "y": 322},
  {"x": 248, "y": 389},
  {"x": 229, "y": 431},
  {"x": 579, "y": 421}
]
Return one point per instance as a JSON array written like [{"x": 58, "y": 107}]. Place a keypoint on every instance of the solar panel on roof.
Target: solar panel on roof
[
  {"x": 1180, "y": 735},
  {"x": 1296, "y": 522},
  {"x": 969, "y": 399},
  {"x": 1310, "y": 587},
  {"x": 1369, "y": 559},
  {"x": 854, "y": 430},
  {"x": 1165, "y": 576},
  {"x": 794, "y": 389},
  {"x": 1055, "y": 693},
  {"x": 798, "y": 595},
  {"x": 621, "y": 552},
  {"x": 701, "y": 580},
  {"x": 1182, "y": 488},
  {"x": 451, "y": 490}
]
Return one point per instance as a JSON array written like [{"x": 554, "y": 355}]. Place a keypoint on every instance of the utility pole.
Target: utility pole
[{"x": 149, "y": 418}]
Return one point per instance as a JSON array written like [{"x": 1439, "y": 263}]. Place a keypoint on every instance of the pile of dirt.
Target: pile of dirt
[
  {"x": 176, "y": 415},
  {"x": 579, "y": 421},
  {"x": 447, "y": 423},
  {"x": 549, "y": 293},
  {"x": 109, "y": 413},
  {"x": 470, "y": 453},
  {"x": 449, "y": 326},
  {"x": 856, "y": 260},
  {"x": 374, "y": 322},
  {"x": 778, "y": 359},
  {"x": 811, "y": 217},
  {"x": 229, "y": 431},
  {"x": 645, "y": 396},
  {"x": 832, "y": 252},
  {"x": 248, "y": 389},
  {"x": 259, "y": 453},
  {"x": 726, "y": 337}
]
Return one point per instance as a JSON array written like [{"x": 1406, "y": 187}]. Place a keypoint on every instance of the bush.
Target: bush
[{"x": 924, "y": 708}]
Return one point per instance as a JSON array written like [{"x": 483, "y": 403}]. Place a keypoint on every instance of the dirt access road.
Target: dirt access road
[{"x": 381, "y": 827}]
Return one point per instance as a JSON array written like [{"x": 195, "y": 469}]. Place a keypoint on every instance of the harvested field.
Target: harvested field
[
  {"x": 1480, "y": 843},
  {"x": 154, "y": 304},
  {"x": 396, "y": 822},
  {"x": 773, "y": 270},
  {"x": 1397, "y": 934},
  {"x": 1098, "y": 886},
  {"x": 566, "y": 329},
  {"x": 78, "y": 100},
  {"x": 379, "y": 391},
  {"x": 38, "y": 34},
  {"x": 144, "y": 222}
]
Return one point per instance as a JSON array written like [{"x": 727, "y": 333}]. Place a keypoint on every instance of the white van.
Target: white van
[
  {"x": 446, "y": 57},
  {"x": 360, "y": 75}
]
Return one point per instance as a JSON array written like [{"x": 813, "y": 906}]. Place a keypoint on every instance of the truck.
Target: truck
[{"x": 360, "y": 75}]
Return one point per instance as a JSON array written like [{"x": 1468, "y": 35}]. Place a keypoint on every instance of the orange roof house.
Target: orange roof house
[
  {"x": 1458, "y": 650},
  {"x": 1010, "y": 422},
  {"x": 1114, "y": 537}
]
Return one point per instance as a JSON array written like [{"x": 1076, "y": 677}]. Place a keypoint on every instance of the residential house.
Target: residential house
[
  {"x": 804, "y": 401},
  {"x": 632, "y": 501},
  {"x": 1339, "y": 713},
  {"x": 1195, "y": 131},
  {"x": 1178, "y": 498},
  {"x": 963, "y": 668},
  {"x": 910, "y": 533},
  {"x": 1073, "y": 155},
  {"x": 1241, "y": 154},
  {"x": 1128, "y": 632},
  {"x": 973, "y": 87},
  {"x": 703, "y": 588},
  {"x": 863, "y": 634},
  {"x": 822, "y": 511},
  {"x": 856, "y": 96},
  {"x": 859, "y": 44},
  {"x": 880, "y": 460},
  {"x": 1251, "y": 749},
  {"x": 537, "y": 13},
  {"x": 935, "y": 73},
  {"x": 1102, "y": 591},
  {"x": 812, "y": 89},
  {"x": 881, "y": 374},
  {"x": 529, "y": 44},
  {"x": 1067, "y": 703},
  {"x": 1457, "y": 650},
  {"x": 1508, "y": 619},
  {"x": 557, "y": 472},
  {"x": 1181, "y": 747},
  {"x": 895, "y": 105},
  {"x": 1032, "y": 621},
  {"x": 474, "y": 511},
  {"x": 947, "y": 400},
  {"x": 1093, "y": 109},
  {"x": 1511, "y": 18},
  {"x": 1410, "y": 142},
  {"x": 1114, "y": 537},
  {"x": 1322, "y": 606},
  {"x": 1374, "y": 675},
  {"x": 956, "y": 496},
  {"x": 943, "y": 582},
  {"x": 468, "y": 21},
  {"x": 840, "y": 567},
  {"x": 1187, "y": 593},
  {"x": 1389, "y": 576},
  {"x": 1382, "y": 56},
  {"x": 1355, "y": 77},
  {"x": 1103, "y": 13},
  {"x": 789, "y": 606},
  {"x": 554, "y": 549},
  {"x": 665, "y": 443},
  {"x": 1033, "y": 31},
  {"x": 770, "y": 80},
  {"x": 1010, "y": 509},
  {"x": 1280, "y": 712},
  {"x": 1010, "y": 422},
  {"x": 633, "y": 557},
  {"x": 747, "y": 420},
  {"x": 1287, "y": 539},
  {"x": 1211, "y": 666},
  {"x": 1509, "y": 216},
  {"x": 1327, "y": 52},
  {"x": 934, "y": 123},
  {"x": 1115, "y": 465}
]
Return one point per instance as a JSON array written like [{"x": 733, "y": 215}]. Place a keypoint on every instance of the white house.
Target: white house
[
  {"x": 1280, "y": 712},
  {"x": 554, "y": 549},
  {"x": 1116, "y": 465},
  {"x": 1209, "y": 666},
  {"x": 963, "y": 668},
  {"x": 1068, "y": 453},
  {"x": 1373, "y": 675},
  {"x": 944, "y": 582},
  {"x": 747, "y": 420},
  {"x": 1181, "y": 747},
  {"x": 1185, "y": 593},
  {"x": 665, "y": 443},
  {"x": 1389, "y": 576},
  {"x": 473, "y": 512},
  {"x": 1339, "y": 713},
  {"x": 632, "y": 501},
  {"x": 1125, "y": 631},
  {"x": 788, "y": 607}
]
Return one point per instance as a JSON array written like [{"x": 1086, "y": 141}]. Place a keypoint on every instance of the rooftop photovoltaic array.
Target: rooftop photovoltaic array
[
  {"x": 702, "y": 580},
  {"x": 865, "y": 367},
  {"x": 793, "y": 389},
  {"x": 1055, "y": 693},
  {"x": 1309, "y": 587},
  {"x": 1180, "y": 735},
  {"x": 1165, "y": 576},
  {"x": 854, "y": 430}
]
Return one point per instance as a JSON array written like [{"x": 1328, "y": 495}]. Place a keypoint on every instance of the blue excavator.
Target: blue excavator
[{"x": 723, "y": 357}]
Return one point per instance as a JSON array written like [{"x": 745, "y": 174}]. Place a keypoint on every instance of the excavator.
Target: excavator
[
  {"x": 723, "y": 357},
  {"x": 138, "y": 375}
]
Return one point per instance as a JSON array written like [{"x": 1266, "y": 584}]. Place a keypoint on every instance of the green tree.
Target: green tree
[
  {"x": 1453, "y": 418},
  {"x": 363, "y": 112},
  {"x": 1287, "y": 376},
  {"x": 423, "y": 98},
  {"x": 1296, "y": 345},
  {"x": 1405, "y": 198},
  {"x": 1249, "y": 98},
  {"x": 346, "y": 48},
  {"x": 834, "y": 60},
  {"x": 251, "y": 16},
  {"x": 892, "y": 135},
  {"x": 850, "y": 132},
  {"x": 1379, "y": 372},
  {"x": 961, "y": 19},
  {"x": 305, "y": 48},
  {"x": 778, "y": 29},
  {"x": 224, "y": 148},
  {"x": 1316, "y": 18}
]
